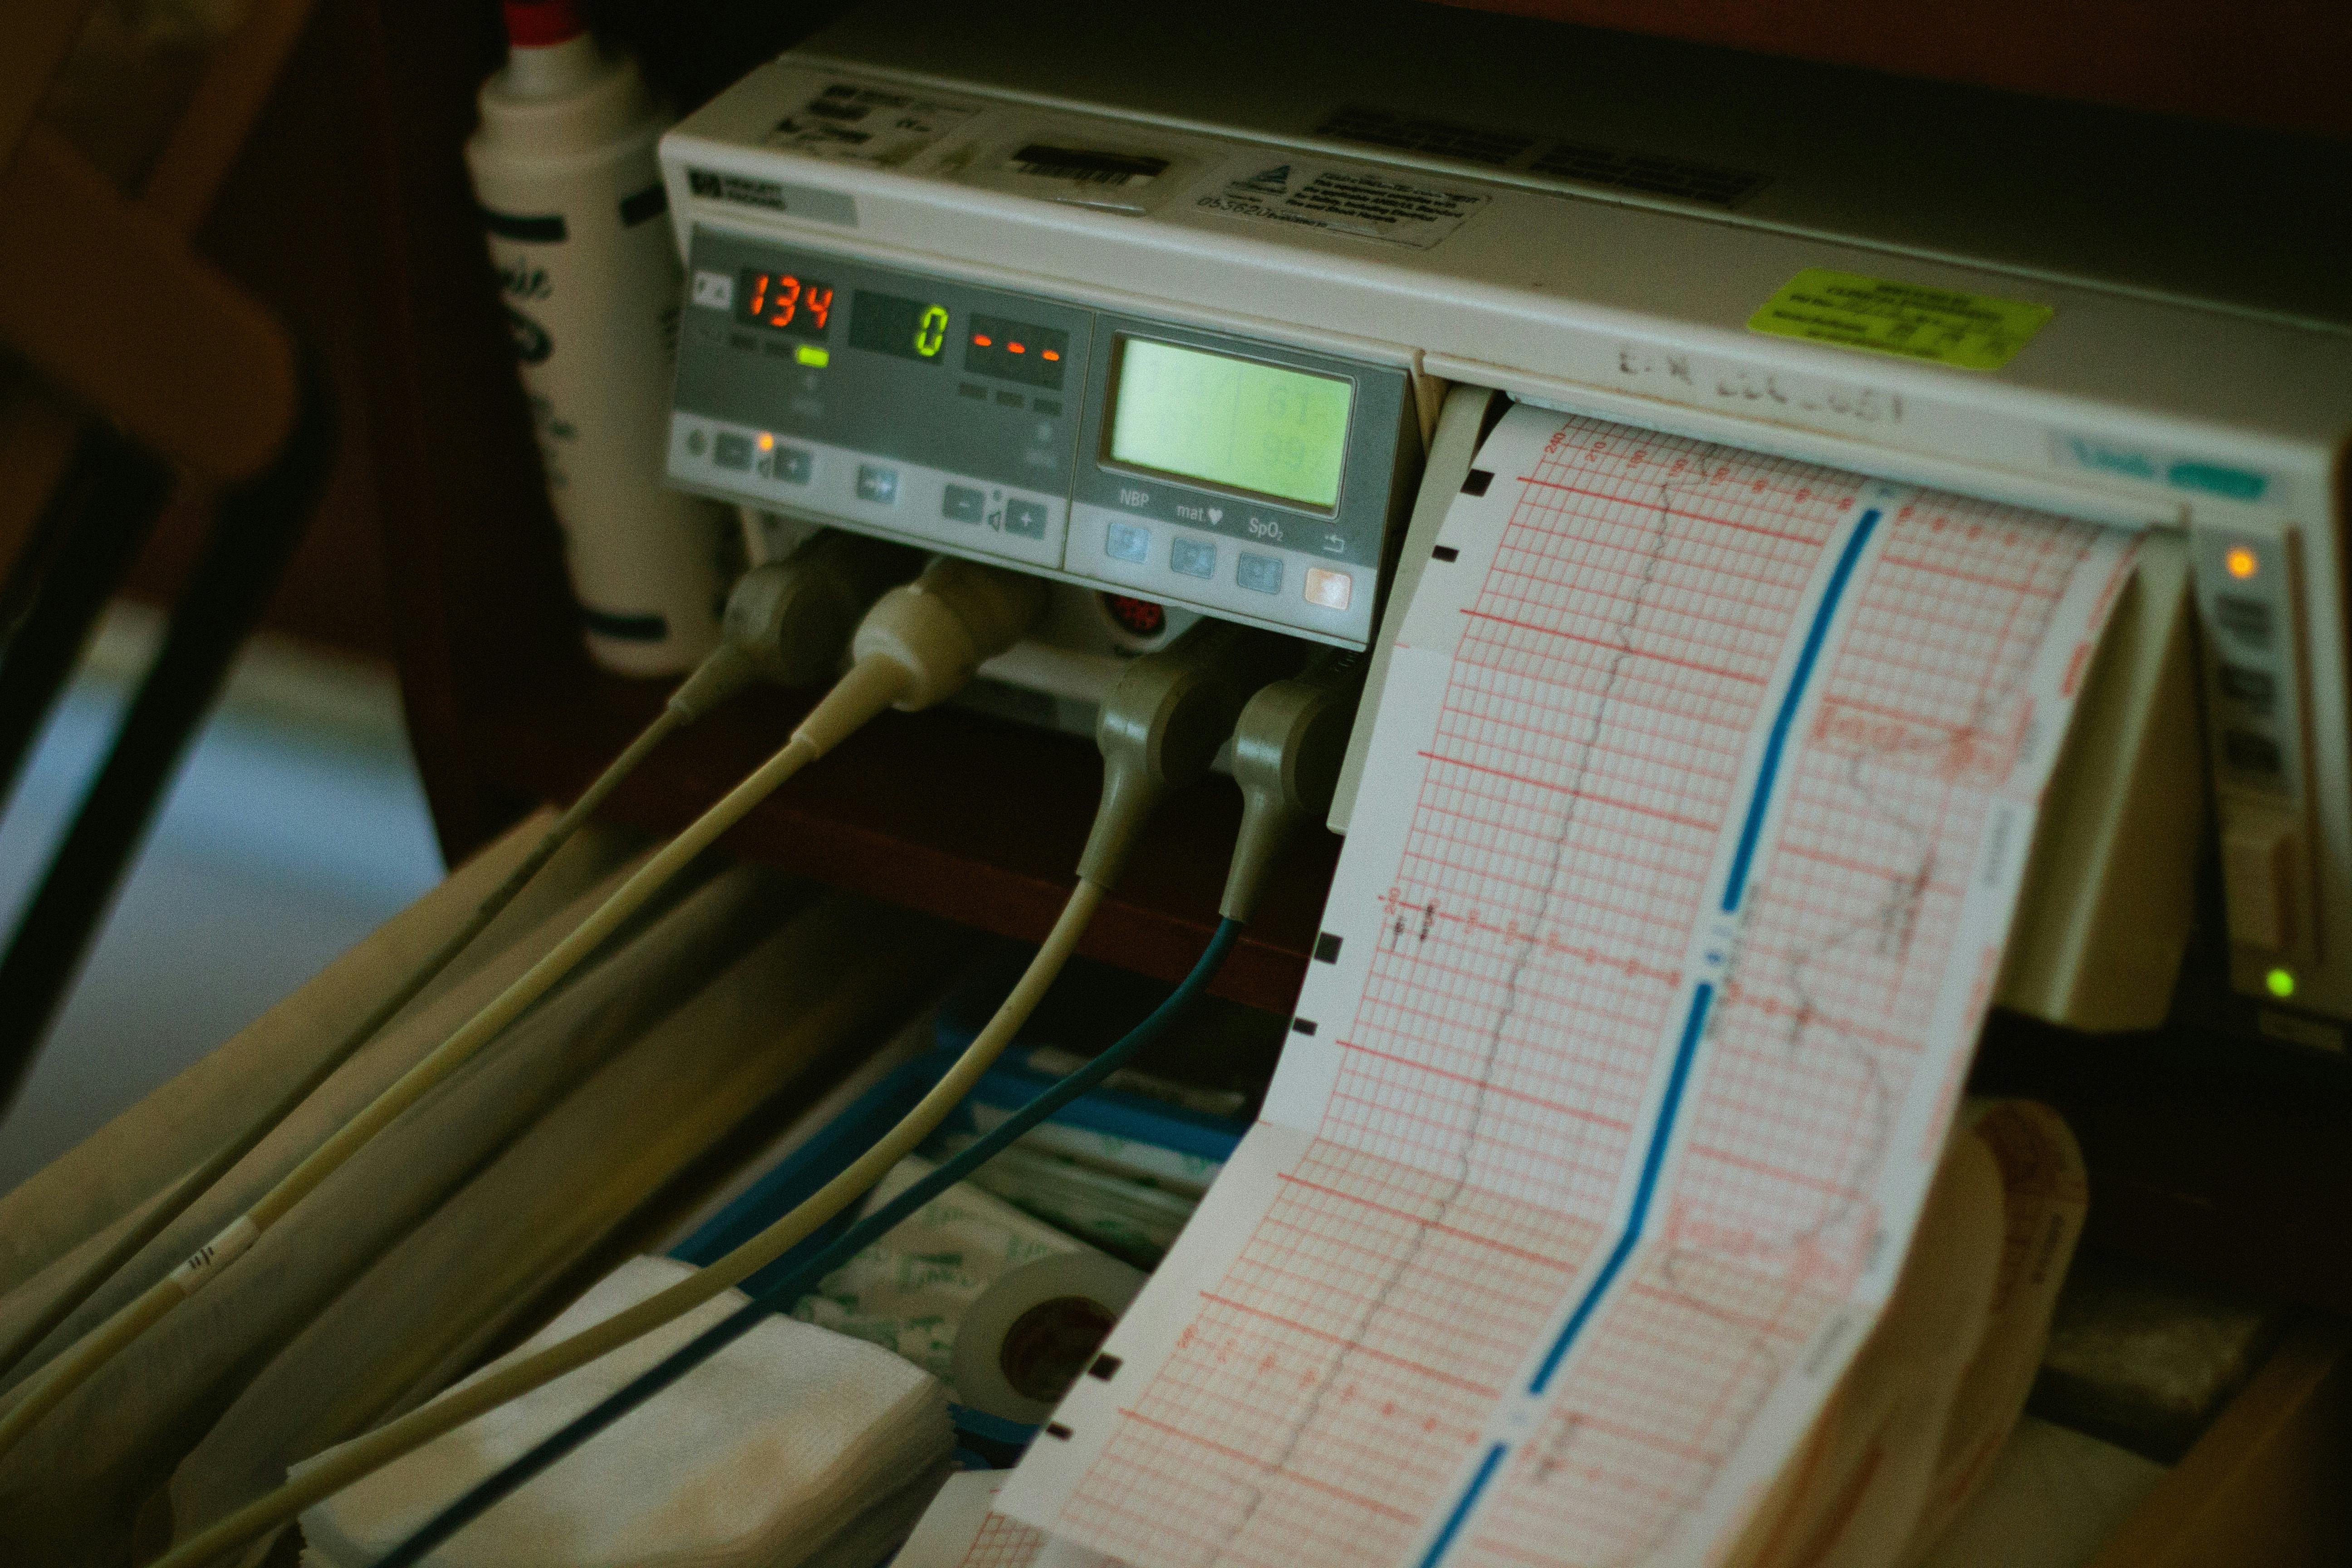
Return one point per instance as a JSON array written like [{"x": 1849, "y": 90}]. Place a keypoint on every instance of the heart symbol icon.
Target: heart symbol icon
[{"x": 1216, "y": 514}]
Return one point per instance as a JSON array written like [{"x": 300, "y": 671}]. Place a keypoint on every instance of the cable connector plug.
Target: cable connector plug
[
  {"x": 1288, "y": 746},
  {"x": 795, "y": 616},
  {"x": 921, "y": 642},
  {"x": 790, "y": 621},
  {"x": 1164, "y": 723},
  {"x": 948, "y": 622}
]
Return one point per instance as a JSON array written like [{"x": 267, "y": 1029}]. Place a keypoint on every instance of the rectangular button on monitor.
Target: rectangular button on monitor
[
  {"x": 1192, "y": 557},
  {"x": 1025, "y": 518},
  {"x": 961, "y": 503},
  {"x": 1125, "y": 542}
]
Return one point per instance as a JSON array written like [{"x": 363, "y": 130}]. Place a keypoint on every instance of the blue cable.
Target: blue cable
[{"x": 779, "y": 1297}]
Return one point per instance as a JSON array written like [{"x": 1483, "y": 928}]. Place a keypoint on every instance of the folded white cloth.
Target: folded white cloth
[{"x": 789, "y": 1438}]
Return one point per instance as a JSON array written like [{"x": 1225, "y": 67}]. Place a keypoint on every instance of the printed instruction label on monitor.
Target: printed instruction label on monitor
[
  {"x": 1971, "y": 332},
  {"x": 1342, "y": 200},
  {"x": 856, "y": 123},
  {"x": 1645, "y": 990}
]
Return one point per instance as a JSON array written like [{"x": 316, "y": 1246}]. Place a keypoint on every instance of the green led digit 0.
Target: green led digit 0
[{"x": 932, "y": 330}]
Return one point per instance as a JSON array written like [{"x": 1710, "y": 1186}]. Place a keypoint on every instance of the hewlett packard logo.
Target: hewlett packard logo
[{"x": 710, "y": 185}]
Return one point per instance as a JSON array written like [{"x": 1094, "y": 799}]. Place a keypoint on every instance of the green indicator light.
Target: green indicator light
[
  {"x": 810, "y": 355},
  {"x": 2281, "y": 983}
]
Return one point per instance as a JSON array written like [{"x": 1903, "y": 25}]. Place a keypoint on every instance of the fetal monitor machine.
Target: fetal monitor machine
[{"x": 1201, "y": 311}]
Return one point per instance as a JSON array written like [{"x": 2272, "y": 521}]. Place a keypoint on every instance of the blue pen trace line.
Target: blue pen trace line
[
  {"x": 1694, "y": 1026},
  {"x": 1437, "y": 1548},
  {"x": 1736, "y": 883},
  {"x": 1651, "y": 1164}
]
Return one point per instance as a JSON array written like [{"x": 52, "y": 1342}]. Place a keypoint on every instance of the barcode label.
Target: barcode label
[{"x": 1086, "y": 166}]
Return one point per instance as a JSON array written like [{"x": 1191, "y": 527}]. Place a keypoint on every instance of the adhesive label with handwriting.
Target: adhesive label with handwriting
[{"x": 1971, "y": 332}]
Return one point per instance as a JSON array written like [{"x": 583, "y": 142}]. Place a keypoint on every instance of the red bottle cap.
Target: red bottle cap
[{"x": 539, "y": 23}]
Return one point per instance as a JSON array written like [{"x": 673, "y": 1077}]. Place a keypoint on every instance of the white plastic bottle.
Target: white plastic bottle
[{"x": 564, "y": 172}]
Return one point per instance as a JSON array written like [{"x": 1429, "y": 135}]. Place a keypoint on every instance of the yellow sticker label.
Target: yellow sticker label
[{"x": 1973, "y": 332}]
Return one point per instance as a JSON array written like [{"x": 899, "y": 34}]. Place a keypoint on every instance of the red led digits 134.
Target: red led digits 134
[{"x": 780, "y": 300}]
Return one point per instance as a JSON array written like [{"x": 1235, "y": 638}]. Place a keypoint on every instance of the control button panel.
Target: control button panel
[
  {"x": 2245, "y": 592},
  {"x": 2247, "y": 600},
  {"x": 1264, "y": 585},
  {"x": 833, "y": 388},
  {"x": 1234, "y": 476},
  {"x": 911, "y": 501},
  {"x": 1272, "y": 453}
]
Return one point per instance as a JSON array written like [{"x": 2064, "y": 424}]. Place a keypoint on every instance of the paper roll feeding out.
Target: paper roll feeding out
[
  {"x": 1025, "y": 1340},
  {"x": 1707, "y": 788}
]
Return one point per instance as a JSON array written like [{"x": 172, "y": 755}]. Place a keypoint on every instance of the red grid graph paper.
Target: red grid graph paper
[
  {"x": 1004, "y": 1543},
  {"x": 1655, "y": 987}
]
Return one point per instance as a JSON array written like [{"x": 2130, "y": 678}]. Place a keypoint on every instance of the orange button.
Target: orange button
[{"x": 1331, "y": 589}]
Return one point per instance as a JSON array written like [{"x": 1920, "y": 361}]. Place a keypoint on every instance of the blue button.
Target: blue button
[
  {"x": 790, "y": 464},
  {"x": 1025, "y": 518},
  {"x": 962, "y": 504},
  {"x": 1259, "y": 573},
  {"x": 1193, "y": 557},
  {"x": 1127, "y": 542},
  {"x": 732, "y": 451},
  {"x": 878, "y": 484}
]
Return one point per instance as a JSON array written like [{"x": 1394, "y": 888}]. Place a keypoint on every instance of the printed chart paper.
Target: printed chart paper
[
  {"x": 961, "y": 1529},
  {"x": 1696, "y": 806}
]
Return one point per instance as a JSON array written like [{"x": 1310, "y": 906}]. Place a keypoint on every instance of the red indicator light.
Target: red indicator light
[
  {"x": 982, "y": 339},
  {"x": 1015, "y": 347},
  {"x": 1051, "y": 354}
]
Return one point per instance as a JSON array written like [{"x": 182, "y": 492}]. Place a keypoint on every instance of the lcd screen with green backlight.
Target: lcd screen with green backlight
[{"x": 1239, "y": 423}]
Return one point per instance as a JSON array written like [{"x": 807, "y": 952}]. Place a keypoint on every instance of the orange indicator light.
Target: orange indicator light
[
  {"x": 1051, "y": 354},
  {"x": 2241, "y": 562},
  {"x": 982, "y": 339},
  {"x": 767, "y": 442},
  {"x": 1015, "y": 347}
]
